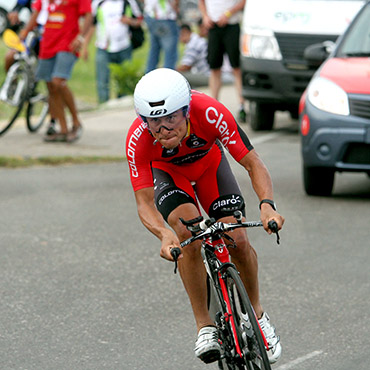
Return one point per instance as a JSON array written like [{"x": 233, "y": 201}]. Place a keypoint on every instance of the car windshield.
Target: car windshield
[{"x": 356, "y": 42}]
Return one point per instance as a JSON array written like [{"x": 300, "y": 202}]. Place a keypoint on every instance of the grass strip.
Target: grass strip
[{"x": 21, "y": 162}]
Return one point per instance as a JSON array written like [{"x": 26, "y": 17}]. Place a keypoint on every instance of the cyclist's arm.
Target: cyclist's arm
[
  {"x": 153, "y": 221},
  {"x": 262, "y": 185}
]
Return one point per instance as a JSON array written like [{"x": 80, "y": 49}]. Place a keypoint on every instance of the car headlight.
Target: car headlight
[
  {"x": 260, "y": 44},
  {"x": 328, "y": 96}
]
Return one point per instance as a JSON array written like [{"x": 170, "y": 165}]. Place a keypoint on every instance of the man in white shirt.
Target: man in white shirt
[
  {"x": 113, "y": 42},
  {"x": 222, "y": 18}
]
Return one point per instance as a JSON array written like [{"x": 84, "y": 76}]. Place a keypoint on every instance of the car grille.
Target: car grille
[
  {"x": 360, "y": 106},
  {"x": 292, "y": 46},
  {"x": 357, "y": 153}
]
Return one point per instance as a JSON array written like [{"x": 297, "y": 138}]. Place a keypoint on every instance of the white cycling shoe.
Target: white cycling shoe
[
  {"x": 207, "y": 347},
  {"x": 273, "y": 340}
]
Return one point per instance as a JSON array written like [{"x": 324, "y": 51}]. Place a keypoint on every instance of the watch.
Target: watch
[{"x": 270, "y": 202}]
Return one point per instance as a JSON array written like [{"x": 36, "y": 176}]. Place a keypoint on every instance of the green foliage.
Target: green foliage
[{"x": 127, "y": 75}]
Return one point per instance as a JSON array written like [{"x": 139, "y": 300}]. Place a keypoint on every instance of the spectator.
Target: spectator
[
  {"x": 160, "y": 17},
  {"x": 194, "y": 65},
  {"x": 60, "y": 45},
  {"x": 221, "y": 17},
  {"x": 39, "y": 23},
  {"x": 113, "y": 44},
  {"x": 15, "y": 23}
]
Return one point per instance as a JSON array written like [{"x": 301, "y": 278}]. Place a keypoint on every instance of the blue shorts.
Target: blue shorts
[{"x": 60, "y": 66}]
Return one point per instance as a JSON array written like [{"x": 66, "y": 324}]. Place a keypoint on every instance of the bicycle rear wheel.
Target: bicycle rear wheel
[
  {"x": 38, "y": 107},
  {"x": 12, "y": 98},
  {"x": 247, "y": 327}
]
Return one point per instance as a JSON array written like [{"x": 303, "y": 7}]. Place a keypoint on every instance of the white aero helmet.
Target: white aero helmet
[{"x": 161, "y": 92}]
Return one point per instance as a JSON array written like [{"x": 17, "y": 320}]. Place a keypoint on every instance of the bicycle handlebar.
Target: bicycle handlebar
[{"x": 210, "y": 227}]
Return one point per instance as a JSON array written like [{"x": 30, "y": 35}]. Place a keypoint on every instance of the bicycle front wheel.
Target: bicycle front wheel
[
  {"x": 13, "y": 94},
  {"x": 38, "y": 107},
  {"x": 246, "y": 325}
]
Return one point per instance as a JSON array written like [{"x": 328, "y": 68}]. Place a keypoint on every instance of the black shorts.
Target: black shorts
[
  {"x": 223, "y": 40},
  {"x": 208, "y": 180}
]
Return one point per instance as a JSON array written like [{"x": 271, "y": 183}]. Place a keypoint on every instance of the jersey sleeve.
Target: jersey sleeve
[
  {"x": 138, "y": 155},
  {"x": 219, "y": 120}
]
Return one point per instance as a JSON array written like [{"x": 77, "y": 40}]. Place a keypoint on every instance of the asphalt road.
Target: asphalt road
[{"x": 83, "y": 287}]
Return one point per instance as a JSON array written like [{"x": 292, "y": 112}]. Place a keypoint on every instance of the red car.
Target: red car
[{"x": 335, "y": 109}]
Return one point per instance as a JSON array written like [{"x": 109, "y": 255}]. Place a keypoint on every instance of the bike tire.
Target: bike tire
[
  {"x": 248, "y": 329},
  {"x": 8, "y": 112},
  {"x": 37, "y": 107}
]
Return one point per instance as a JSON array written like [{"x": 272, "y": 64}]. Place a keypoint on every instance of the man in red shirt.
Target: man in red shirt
[
  {"x": 177, "y": 164},
  {"x": 61, "y": 42}
]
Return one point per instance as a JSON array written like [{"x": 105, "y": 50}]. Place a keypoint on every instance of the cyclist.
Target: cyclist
[{"x": 176, "y": 158}]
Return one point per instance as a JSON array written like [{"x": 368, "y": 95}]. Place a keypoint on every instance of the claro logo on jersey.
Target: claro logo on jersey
[
  {"x": 131, "y": 148},
  {"x": 216, "y": 118}
]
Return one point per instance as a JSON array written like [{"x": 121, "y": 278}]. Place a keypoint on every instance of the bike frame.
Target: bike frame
[{"x": 219, "y": 250}]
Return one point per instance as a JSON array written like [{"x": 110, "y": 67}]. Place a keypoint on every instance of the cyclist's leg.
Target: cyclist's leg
[
  {"x": 217, "y": 189},
  {"x": 175, "y": 198}
]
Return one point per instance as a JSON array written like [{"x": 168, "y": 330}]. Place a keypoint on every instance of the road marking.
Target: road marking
[
  {"x": 299, "y": 360},
  {"x": 264, "y": 138}
]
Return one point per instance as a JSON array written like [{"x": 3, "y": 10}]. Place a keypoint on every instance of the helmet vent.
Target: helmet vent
[{"x": 157, "y": 104}]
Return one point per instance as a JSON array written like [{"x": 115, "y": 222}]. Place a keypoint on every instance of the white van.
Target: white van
[{"x": 274, "y": 36}]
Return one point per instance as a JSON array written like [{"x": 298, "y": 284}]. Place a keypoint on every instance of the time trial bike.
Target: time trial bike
[{"x": 242, "y": 341}]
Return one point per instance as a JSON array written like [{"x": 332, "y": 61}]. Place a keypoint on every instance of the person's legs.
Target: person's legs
[
  {"x": 102, "y": 74},
  {"x": 9, "y": 59},
  {"x": 169, "y": 40},
  {"x": 215, "y": 82},
  {"x": 61, "y": 74},
  {"x": 44, "y": 71},
  {"x": 231, "y": 42},
  {"x": 215, "y": 60},
  {"x": 191, "y": 266},
  {"x": 175, "y": 198},
  {"x": 118, "y": 58},
  {"x": 155, "y": 47}
]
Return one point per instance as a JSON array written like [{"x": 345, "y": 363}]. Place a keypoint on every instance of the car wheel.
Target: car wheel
[
  {"x": 261, "y": 116},
  {"x": 318, "y": 180},
  {"x": 3, "y": 21}
]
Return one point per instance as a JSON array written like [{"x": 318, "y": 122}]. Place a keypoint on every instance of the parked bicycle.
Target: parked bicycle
[
  {"x": 243, "y": 344},
  {"x": 20, "y": 86}
]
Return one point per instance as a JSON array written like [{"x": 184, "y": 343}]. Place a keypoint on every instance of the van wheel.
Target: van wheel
[
  {"x": 261, "y": 116},
  {"x": 318, "y": 180}
]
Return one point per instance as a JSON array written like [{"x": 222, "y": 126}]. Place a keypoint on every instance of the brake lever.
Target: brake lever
[{"x": 273, "y": 226}]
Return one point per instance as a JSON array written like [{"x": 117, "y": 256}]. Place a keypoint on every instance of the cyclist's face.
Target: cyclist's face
[{"x": 168, "y": 130}]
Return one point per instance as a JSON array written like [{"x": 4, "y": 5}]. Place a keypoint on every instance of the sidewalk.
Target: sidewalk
[{"x": 104, "y": 134}]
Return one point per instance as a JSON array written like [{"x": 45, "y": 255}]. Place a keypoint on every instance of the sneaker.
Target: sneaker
[
  {"x": 51, "y": 130},
  {"x": 242, "y": 116},
  {"x": 58, "y": 137},
  {"x": 273, "y": 340},
  {"x": 75, "y": 134},
  {"x": 207, "y": 347}
]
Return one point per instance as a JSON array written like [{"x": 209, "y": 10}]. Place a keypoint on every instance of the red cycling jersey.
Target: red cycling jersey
[{"x": 209, "y": 121}]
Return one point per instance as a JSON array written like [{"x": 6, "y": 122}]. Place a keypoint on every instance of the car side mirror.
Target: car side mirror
[{"x": 315, "y": 54}]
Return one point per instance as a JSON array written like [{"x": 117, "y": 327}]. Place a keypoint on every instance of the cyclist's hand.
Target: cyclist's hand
[
  {"x": 168, "y": 242},
  {"x": 267, "y": 215}
]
